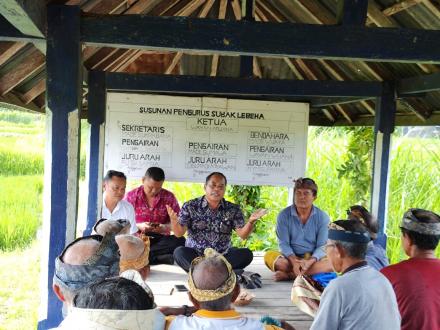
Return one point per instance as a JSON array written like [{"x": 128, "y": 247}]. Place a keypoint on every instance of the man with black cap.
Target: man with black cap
[
  {"x": 416, "y": 280},
  {"x": 361, "y": 298}
]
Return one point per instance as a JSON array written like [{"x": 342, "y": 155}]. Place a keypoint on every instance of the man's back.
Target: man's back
[
  {"x": 216, "y": 320},
  {"x": 360, "y": 299},
  {"x": 417, "y": 287}
]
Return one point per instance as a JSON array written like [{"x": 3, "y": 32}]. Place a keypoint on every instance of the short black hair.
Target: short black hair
[
  {"x": 113, "y": 293},
  {"x": 354, "y": 250},
  {"x": 423, "y": 241},
  {"x": 216, "y": 173},
  {"x": 111, "y": 173},
  {"x": 156, "y": 173}
]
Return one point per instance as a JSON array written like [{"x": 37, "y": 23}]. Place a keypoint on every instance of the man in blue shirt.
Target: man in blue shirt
[{"x": 302, "y": 231}]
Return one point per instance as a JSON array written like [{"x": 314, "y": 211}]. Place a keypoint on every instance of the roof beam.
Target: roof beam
[
  {"x": 405, "y": 119},
  {"x": 198, "y": 85},
  {"x": 352, "y": 12},
  {"x": 420, "y": 84},
  {"x": 31, "y": 94},
  {"x": 27, "y": 16},
  {"x": 400, "y": 6},
  {"x": 9, "y": 33},
  {"x": 24, "y": 69},
  {"x": 9, "y": 49},
  {"x": 262, "y": 39},
  {"x": 326, "y": 101}
]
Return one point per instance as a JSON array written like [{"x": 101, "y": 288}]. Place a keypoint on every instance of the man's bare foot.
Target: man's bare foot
[{"x": 282, "y": 276}]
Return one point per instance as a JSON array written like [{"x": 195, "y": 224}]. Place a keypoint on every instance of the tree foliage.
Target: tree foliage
[{"x": 357, "y": 167}]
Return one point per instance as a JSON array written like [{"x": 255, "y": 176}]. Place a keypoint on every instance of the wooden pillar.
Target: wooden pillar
[
  {"x": 63, "y": 104},
  {"x": 246, "y": 62},
  {"x": 383, "y": 128},
  {"x": 96, "y": 118}
]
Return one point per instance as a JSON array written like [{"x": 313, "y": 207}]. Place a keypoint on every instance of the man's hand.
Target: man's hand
[
  {"x": 143, "y": 226},
  {"x": 172, "y": 214},
  {"x": 306, "y": 264},
  {"x": 257, "y": 215},
  {"x": 296, "y": 264}
]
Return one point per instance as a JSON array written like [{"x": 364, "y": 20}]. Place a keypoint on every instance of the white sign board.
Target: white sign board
[{"x": 251, "y": 142}]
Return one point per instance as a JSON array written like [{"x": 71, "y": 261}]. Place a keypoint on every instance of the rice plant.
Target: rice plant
[{"x": 20, "y": 210}]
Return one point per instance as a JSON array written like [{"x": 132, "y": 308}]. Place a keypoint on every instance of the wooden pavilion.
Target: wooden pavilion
[{"x": 357, "y": 62}]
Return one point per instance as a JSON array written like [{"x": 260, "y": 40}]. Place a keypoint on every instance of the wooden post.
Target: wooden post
[
  {"x": 96, "y": 118},
  {"x": 383, "y": 128},
  {"x": 63, "y": 93}
]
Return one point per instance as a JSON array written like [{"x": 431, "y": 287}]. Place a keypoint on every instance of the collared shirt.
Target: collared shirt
[
  {"x": 123, "y": 210},
  {"x": 362, "y": 298},
  {"x": 216, "y": 320},
  {"x": 295, "y": 238},
  {"x": 157, "y": 212},
  {"x": 210, "y": 228}
]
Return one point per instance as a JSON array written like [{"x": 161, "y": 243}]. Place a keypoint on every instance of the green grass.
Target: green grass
[
  {"x": 19, "y": 291},
  {"x": 20, "y": 210}
]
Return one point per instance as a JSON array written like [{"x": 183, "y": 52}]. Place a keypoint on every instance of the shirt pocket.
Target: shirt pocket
[{"x": 225, "y": 227}]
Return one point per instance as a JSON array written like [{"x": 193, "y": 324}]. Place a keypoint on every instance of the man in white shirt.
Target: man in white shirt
[{"x": 113, "y": 205}]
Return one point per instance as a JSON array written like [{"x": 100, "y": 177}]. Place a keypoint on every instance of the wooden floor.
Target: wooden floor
[{"x": 272, "y": 299}]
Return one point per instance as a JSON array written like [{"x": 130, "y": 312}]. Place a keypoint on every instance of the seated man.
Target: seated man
[
  {"x": 149, "y": 201},
  {"x": 302, "y": 233},
  {"x": 416, "y": 280},
  {"x": 209, "y": 221},
  {"x": 361, "y": 298},
  {"x": 84, "y": 261},
  {"x": 113, "y": 205},
  {"x": 114, "y": 303},
  {"x": 376, "y": 255},
  {"x": 134, "y": 254},
  {"x": 212, "y": 287}
]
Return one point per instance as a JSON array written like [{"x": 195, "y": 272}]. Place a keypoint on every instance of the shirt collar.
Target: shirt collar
[
  {"x": 295, "y": 213},
  {"x": 228, "y": 314},
  {"x": 355, "y": 266},
  {"x": 205, "y": 204},
  {"x": 156, "y": 198},
  {"x": 116, "y": 207}
]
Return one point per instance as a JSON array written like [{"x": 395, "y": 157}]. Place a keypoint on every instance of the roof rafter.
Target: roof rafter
[
  {"x": 9, "y": 49},
  {"x": 32, "y": 63}
]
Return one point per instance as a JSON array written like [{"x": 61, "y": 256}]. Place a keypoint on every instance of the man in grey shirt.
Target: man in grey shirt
[
  {"x": 362, "y": 298},
  {"x": 302, "y": 233}
]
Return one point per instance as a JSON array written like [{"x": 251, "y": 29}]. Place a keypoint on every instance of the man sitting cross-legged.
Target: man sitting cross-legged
[
  {"x": 302, "y": 232},
  {"x": 213, "y": 286}
]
